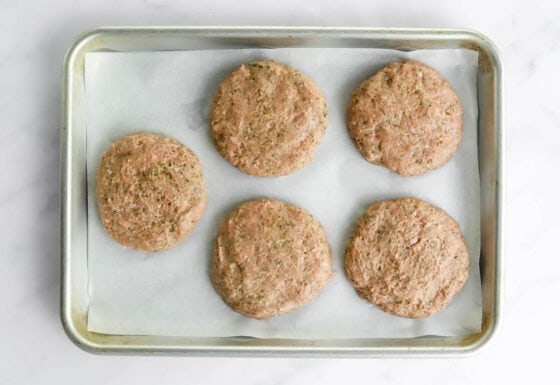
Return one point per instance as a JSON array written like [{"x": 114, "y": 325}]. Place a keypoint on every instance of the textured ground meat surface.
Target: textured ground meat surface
[
  {"x": 150, "y": 191},
  {"x": 267, "y": 118},
  {"x": 407, "y": 256},
  {"x": 406, "y": 117},
  {"x": 269, "y": 258}
]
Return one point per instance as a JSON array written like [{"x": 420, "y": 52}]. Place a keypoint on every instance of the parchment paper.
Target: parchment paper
[{"x": 169, "y": 293}]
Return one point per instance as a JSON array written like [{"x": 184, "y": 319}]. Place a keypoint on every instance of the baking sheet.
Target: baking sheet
[{"x": 169, "y": 293}]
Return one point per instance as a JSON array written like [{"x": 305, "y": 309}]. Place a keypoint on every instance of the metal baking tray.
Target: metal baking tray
[{"x": 74, "y": 276}]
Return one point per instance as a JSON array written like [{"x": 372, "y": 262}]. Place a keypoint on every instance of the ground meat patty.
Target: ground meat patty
[
  {"x": 406, "y": 117},
  {"x": 267, "y": 119},
  {"x": 269, "y": 258},
  {"x": 407, "y": 256},
  {"x": 150, "y": 191}
]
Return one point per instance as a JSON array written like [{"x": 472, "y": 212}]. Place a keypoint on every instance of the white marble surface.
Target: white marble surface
[{"x": 33, "y": 38}]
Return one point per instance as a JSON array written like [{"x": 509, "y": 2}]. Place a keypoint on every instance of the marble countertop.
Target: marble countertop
[{"x": 34, "y": 37}]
